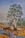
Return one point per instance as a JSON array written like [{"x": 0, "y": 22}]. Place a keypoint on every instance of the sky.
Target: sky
[{"x": 4, "y": 5}]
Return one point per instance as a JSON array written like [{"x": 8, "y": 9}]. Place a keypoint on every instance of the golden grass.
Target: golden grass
[
  {"x": 20, "y": 32},
  {"x": 3, "y": 36}
]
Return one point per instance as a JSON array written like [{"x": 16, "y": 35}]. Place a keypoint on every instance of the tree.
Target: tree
[
  {"x": 15, "y": 11},
  {"x": 24, "y": 23},
  {"x": 19, "y": 23}
]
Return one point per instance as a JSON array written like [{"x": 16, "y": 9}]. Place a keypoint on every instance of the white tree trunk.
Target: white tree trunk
[{"x": 14, "y": 23}]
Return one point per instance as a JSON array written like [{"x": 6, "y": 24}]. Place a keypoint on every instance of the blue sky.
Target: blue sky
[
  {"x": 6, "y": 2},
  {"x": 4, "y": 5}
]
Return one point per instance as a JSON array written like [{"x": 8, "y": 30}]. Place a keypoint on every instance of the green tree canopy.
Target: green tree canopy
[{"x": 14, "y": 9}]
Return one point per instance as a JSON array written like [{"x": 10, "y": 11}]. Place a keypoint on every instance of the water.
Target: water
[
  {"x": 20, "y": 36},
  {"x": 2, "y": 31}
]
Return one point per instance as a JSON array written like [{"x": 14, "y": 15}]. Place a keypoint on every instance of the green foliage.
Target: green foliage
[
  {"x": 21, "y": 23},
  {"x": 14, "y": 9}
]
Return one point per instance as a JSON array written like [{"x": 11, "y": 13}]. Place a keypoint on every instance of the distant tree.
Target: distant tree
[{"x": 24, "y": 23}]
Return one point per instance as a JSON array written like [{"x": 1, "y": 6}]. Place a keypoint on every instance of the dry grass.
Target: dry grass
[
  {"x": 3, "y": 36},
  {"x": 18, "y": 32}
]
